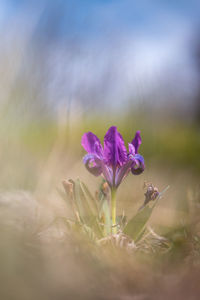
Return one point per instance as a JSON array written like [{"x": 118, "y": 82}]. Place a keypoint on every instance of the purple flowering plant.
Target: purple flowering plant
[
  {"x": 112, "y": 161},
  {"x": 95, "y": 216}
]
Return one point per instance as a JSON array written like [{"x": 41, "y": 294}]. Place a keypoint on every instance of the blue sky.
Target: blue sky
[
  {"x": 91, "y": 18},
  {"x": 137, "y": 45}
]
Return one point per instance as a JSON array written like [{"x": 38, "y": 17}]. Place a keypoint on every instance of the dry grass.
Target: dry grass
[{"x": 41, "y": 259}]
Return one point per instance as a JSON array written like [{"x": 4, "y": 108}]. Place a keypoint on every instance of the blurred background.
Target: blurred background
[
  {"x": 67, "y": 67},
  {"x": 73, "y": 66}
]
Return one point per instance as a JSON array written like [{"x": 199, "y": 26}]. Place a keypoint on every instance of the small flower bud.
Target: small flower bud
[
  {"x": 68, "y": 186},
  {"x": 150, "y": 195},
  {"x": 105, "y": 188}
]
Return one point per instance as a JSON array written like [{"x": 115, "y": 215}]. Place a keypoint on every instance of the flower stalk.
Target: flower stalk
[{"x": 113, "y": 210}]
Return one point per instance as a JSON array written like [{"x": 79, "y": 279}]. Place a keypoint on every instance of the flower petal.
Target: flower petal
[
  {"x": 107, "y": 173},
  {"x": 123, "y": 172},
  {"x": 93, "y": 164},
  {"x": 114, "y": 149},
  {"x": 136, "y": 142},
  {"x": 131, "y": 149},
  {"x": 138, "y": 166},
  {"x": 92, "y": 144}
]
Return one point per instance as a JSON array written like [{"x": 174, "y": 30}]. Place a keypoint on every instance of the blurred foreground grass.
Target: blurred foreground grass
[{"x": 40, "y": 259}]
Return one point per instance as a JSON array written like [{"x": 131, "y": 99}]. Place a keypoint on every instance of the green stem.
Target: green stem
[{"x": 113, "y": 209}]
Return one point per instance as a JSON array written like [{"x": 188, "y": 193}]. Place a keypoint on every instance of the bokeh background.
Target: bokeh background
[
  {"x": 67, "y": 67},
  {"x": 72, "y": 66}
]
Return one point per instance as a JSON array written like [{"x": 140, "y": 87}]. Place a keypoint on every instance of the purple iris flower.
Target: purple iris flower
[{"x": 113, "y": 161}]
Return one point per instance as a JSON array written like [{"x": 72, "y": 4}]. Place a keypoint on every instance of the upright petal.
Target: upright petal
[
  {"x": 136, "y": 142},
  {"x": 131, "y": 149},
  {"x": 114, "y": 149},
  {"x": 92, "y": 144}
]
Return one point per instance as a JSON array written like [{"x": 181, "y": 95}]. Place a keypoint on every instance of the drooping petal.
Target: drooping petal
[
  {"x": 136, "y": 142},
  {"x": 93, "y": 164},
  {"x": 92, "y": 144},
  {"x": 123, "y": 172},
  {"x": 114, "y": 149},
  {"x": 138, "y": 165},
  {"x": 107, "y": 173}
]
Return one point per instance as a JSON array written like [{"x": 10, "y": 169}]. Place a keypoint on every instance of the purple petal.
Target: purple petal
[
  {"x": 107, "y": 173},
  {"x": 114, "y": 149},
  {"x": 131, "y": 149},
  {"x": 92, "y": 144},
  {"x": 122, "y": 172},
  {"x": 136, "y": 142},
  {"x": 93, "y": 164},
  {"x": 138, "y": 166}
]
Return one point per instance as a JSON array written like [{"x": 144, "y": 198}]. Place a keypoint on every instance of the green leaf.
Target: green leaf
[
  {"x": 89, "y": 233},
  {"x": 90, "y": 199},
  {"x": 107, "y": 219},
  {"x": 104, "y": 211},
  {"x": 86, "y": 208},
  {"x": 136, "y": 225},
  {"x": 75, "y": 227}
]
